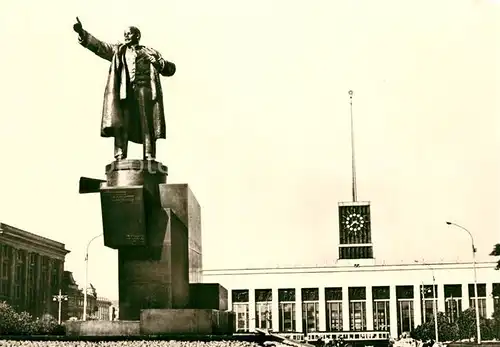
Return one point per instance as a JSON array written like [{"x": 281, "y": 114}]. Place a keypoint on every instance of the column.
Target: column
[
  {"x": 393, "y": 309},
  {"x": 38, "y": 271},
  {"x": 275, "y": 310},
  {"x": 489, "y": 300},
  {"x": 322, "y": 309},
  {"x": 27, "y": 284},
  {"x": 251, "y": 309},
  {"x": 369, "y": 308},
  {"x": 49, "y": 307},
  {"x": 229, "y": 299},
  {"x": 440, "y": 298},
  {"x": 417, "y": 307},
  {"x": 465, "y": 296},
  {"x": 12, "y": 293},
  {"x": 298, "y": 310},
  {"x": 345, "y": 309}
]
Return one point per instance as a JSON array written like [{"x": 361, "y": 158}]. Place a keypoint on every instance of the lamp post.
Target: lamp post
[
  {"x": 59, "y": 298},
  {"x": 434, "y": 304},
  {"x": 87, "y": 276},
  {"x": 476, "y": 301}
]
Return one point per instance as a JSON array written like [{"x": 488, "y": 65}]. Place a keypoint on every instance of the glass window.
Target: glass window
[
  {"x": 334, "y": 316},
  {"x": 239, "y": 295},
  {"x": 496, "y": 297},
  {"x": 428, "y": 309},
  {"x": 333, "y": 298},
  {"x": 357, "y": 315},
  {"x": 405, "y": 316},
  {"x": 286, "y": 298},
  {"x": 310, "y": 316},
  {"x": 453, "y": 301},
  {"x": 263, "y": 315},
  {"x": 453, "y": 308},
  {"x": 404, "y": 295},
  {"x": 240, "y": 308},
  {"x": 287, "y": 316},
  {"x": 263, "y": 308},
  {"x": 481, "y": 289},
  {"x": 482, "y": 306},
  {"x": 381, "y": 318},
  {"x": 310, "y": 309},
  {"x": 241, "y": 311},
  {"x": 357, "y": 308},
  {"x": 428, "y": 295}
]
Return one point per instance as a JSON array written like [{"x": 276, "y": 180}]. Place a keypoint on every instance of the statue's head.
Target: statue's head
[{"x": 132, "y": 35}]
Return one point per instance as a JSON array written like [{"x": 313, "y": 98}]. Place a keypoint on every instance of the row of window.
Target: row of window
[
  {"x": 28, "y": 267},
  {"x": 357, "y": 307}
]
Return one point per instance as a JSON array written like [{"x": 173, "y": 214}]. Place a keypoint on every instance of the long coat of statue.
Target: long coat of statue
[{"x": 116, "y": 90}]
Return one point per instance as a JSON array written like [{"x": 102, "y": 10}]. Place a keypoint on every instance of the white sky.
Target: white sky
[{"x": 258, "y": 123}]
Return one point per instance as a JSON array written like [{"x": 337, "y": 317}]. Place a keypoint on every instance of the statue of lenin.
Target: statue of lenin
[{"x": 133, "y": 99}]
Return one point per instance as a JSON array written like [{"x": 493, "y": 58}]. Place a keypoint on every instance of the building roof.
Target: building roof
[
  {"x": 352, "y": 266},
  {"x": 20, "y": 236}
]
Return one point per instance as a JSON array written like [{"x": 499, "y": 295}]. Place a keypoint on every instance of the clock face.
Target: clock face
[{"x": 355, "y": 224}]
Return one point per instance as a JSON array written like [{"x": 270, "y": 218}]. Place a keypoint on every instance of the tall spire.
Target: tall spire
[{"x": 354, "y": 189}]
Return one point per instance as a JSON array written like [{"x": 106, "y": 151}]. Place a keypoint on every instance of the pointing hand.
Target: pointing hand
[{"x": 78, "y": 26}]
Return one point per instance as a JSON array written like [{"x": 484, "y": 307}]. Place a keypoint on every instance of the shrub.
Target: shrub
[
  {"x": 466, "y": 323},
  {"x": 8, "y": 318},
  {"x": 14, "y": 323},
  {"x": 47, "y": 325}
]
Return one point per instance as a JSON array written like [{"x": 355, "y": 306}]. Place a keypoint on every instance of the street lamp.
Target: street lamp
[
  {"x": 476, "y": 301},
  {"x": 434, "y": 307},
  {"x": 87, "y": 277},
  {"x": 59, "y": 298}
]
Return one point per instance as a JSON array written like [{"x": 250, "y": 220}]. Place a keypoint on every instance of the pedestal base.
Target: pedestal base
[
  {"x": 186, "y": 321},
  {"x": 160, "y": 322},
  {"x": 102, "y": 328}
]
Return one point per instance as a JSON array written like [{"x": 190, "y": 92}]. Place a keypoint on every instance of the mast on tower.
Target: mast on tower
[{"x": 353, "y": 156}]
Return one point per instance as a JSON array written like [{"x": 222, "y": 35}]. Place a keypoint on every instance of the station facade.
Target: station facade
[{"x": 356, "y": 297}]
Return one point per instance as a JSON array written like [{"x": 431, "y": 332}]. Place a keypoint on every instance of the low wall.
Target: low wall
[
  {"x": 186, "y": 321},
  {"x": 102, "y": 328}
]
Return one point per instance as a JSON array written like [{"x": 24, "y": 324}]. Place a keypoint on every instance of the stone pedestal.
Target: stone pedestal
[
  {"x": 188, "y": 321},
  {"x": 182, "y": 201},
  {"x": 152, "y": 242},
  {"x": 156, "y": 228}
]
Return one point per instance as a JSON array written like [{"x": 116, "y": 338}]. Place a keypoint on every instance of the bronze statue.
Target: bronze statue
[{"x": 133, "y": 99}]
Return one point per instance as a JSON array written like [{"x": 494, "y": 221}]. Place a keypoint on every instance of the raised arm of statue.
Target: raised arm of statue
[{"x": 100, "y": 48}]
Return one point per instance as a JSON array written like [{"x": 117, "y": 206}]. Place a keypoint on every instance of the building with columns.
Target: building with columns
[
  {"x": 31, "y": 270},
  {"x": 356, "y": 296}
]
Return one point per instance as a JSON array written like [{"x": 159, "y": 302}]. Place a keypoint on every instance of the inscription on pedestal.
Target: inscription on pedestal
[{"x": 123, "y": 216}]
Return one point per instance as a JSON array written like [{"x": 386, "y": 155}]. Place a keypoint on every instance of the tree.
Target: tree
[
  {"x": 496, "y": 253},
  {"x": 447, "y": 331},
  {"x": 466, "y": 323}
]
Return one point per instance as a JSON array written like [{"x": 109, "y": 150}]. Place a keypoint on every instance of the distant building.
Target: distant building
[
  {"x": 103, "y": 309},
  {"x": 73, "y": 307},
  {"x": 31, "y": 270},
  {"x": 114, "y": 310}
]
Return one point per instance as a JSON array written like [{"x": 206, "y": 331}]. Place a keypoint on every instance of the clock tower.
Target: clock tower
[
  {"x": 355, "y": 230},
  {"x": 355, "y": 239}
]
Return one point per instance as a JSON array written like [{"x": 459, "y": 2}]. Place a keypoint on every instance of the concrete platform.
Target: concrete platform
[
  {"x": 102, "y": 328},
  {"x": 186, "y": 321},
  {"x": 160, "y": 322}
]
